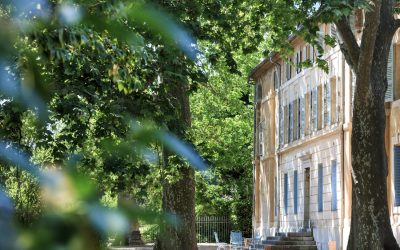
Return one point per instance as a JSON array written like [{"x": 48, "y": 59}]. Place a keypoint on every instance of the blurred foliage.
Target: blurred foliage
[{"x": 85, "y": 87}]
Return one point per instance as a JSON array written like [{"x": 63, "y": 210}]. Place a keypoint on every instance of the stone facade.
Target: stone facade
[{"x": 302, "y": 162}]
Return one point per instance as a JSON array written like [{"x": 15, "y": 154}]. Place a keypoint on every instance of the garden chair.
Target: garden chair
[
  {"x": 254, "y": 242},
  {"x": 220, "y": 245},
  {"x": 236, "y": 240}
]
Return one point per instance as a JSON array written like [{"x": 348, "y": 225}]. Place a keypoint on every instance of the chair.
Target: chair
[
  {"x": 236, "y": 240},
  {"x": 255, "y": 241},
  {"x": 220, "y": 245}
]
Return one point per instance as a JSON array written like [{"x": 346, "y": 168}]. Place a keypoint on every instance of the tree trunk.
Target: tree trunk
[
  {"x": 370, "y": 221},
  {"x": 179, "y": 195}
]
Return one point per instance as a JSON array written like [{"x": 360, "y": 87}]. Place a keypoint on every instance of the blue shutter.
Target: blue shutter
[
  {"x": 285, "y": 193},
  {"x": 397, "y": 175},
  {"x": 320, "y": 188},
  {"x": 333, "y": 185},
  {"x": 295, "y": 191},
  {"x": 302, "y": 116}
]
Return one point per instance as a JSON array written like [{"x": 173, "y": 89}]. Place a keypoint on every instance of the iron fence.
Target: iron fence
[{"x": 207, "y": 225}]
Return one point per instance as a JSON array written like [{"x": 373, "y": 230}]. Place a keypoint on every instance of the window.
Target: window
[
  {"x": 333, "y": 185},
  {"x": 285, "y": 193},
  {"x": 319, "y": 108},
  {"x": 260, "y": 139},
  {"x": 320, "y": 188},
  {"x": 295, "y": 192},
  {"x": 396, "y": 166}
]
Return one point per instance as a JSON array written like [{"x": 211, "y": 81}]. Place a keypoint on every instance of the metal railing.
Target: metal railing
[{"x": 207, "y": 225}]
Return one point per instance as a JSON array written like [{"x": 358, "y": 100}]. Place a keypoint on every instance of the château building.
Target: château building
[{"x": 302, "y": 160}]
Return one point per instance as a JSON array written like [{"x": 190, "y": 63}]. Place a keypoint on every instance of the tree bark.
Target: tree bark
[
  {"x": 179, "y": 195},
  {"x": 370, "y": 221}
]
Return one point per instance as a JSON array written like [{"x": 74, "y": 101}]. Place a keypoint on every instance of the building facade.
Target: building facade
[{"x": 302, "y": 162}]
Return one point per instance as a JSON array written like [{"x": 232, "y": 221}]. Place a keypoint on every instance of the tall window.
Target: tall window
[
  {"x": 320, "y": 187},
  {"x": 396, "y": 165},
  {"x": 295, "y": 192},
  {"x": 333, "y": 185},
  {"x": 285, "y": 193}
]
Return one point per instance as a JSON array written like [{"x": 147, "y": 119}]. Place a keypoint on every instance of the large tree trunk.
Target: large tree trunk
[
  {"x": 370, "y": 221},
  {"x": 179, "y": 195}
]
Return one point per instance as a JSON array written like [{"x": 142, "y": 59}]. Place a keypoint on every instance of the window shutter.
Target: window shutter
[
  {"x": 333, "y": 31},
  {"x": 281, "y": 126},
  {"x": 315, "y": 109},
  {"x": 389, "y": 91},
  {"x": 298, "y": 125},
  {"x": 287, "y": 71},
  {"x": 312, "y": 54},
  {"x": 396, "y": 166},
  {"x": 286, "y": 125},
  {"x": 333, "y": 185},
  {"x": 302, "y": 116},
  {"x": 295, "y": 119},
  {"x": 328, "y": 104},
  {"x": 320, "y": 42},
  {"x": 320, "y": 188},
  {"x": 290, "y": 122},
  {"x": 295, "y": 191},
  {"x": 285, "y": 193}
]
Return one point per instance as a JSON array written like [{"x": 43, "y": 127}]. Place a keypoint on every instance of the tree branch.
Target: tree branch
[
  {"x": 367, "y": 48},
  {"x": 349, "y": 46}
]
